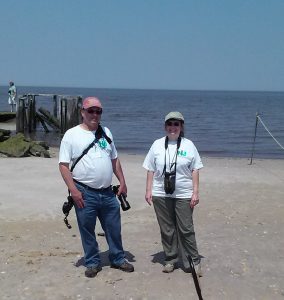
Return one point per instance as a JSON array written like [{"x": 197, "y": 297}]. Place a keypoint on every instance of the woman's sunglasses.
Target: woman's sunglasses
[
  {"x": 91, "y": 110},
  {"x": 176, "y": 124}
]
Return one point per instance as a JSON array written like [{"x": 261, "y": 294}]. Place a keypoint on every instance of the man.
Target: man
[
  {"x": 90, "y": 186},
  {"x": 12, "y": 95}
]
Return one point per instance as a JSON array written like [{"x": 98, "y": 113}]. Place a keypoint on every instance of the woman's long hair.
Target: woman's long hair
[{"x": 182, "y": 129}]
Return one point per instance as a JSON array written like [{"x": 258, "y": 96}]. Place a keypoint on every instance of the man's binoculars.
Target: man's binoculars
[{"x": 122, "y": 198}]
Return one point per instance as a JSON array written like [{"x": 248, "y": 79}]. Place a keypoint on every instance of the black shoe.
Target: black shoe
[
  {"x": 125, "y": 267},
  {"x": 92, "y": 271}
]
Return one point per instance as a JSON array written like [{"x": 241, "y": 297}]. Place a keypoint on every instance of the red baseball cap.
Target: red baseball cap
[{"x": 90, "y": 102}]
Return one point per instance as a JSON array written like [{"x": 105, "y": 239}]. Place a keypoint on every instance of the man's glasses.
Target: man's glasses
[
  {"x": 176, "y": 124},
  {"x": 97, "y": 111}
]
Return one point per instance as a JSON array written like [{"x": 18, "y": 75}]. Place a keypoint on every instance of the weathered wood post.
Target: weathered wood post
[
  {"x": 73, "y": 112},
  {"x": 63, "y": 110},
  {"x": 20, "y": 115},
  {"x": 31, "y": 113},
  {"x": 55, "y": 107},
  {"x": 70, "y": 115}
]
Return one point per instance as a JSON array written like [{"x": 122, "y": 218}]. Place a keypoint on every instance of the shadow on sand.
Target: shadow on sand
[{"x": 104, "y": 259}]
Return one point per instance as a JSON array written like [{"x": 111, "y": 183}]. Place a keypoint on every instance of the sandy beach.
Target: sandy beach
[{"x": 239, "y": 225}]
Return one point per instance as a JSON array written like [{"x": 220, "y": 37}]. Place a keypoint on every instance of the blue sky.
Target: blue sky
[{"x": 160, "y": 44}]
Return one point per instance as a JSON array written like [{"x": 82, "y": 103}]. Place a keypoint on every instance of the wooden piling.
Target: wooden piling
[
  {"x": 20, "y": 115},
  {"x": 55, "y": 106},
  {"x": 64, "y": 114}
]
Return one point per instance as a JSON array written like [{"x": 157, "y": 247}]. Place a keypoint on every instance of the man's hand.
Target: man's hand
[
  {"x": 122, "y": 190},
  {"x": 67, "y": 177},
  {"x": 78, "y": 198}
]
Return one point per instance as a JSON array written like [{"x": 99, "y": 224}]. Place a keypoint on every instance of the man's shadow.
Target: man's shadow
[{"x": 104, "y": 259}]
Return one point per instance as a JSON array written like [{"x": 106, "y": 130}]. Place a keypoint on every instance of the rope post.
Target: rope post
[{"x": 253, "y": 145}]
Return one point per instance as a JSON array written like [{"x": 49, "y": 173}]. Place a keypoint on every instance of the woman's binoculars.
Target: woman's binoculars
[{"x": 170, "y": 182}]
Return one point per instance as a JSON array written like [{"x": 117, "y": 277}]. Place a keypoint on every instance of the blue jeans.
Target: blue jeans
[{"x": 104, "y": 205}]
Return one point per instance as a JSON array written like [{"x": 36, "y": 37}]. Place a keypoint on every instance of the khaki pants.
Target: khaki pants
[{"x": 177, "y": 231}]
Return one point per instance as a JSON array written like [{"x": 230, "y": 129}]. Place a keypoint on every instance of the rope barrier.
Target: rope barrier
[
  {"x": 258, "y": 118},
  {"x": 269, "y": 131}
]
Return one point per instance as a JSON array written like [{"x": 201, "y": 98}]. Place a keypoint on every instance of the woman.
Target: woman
[{"x": 172, "y": 165}]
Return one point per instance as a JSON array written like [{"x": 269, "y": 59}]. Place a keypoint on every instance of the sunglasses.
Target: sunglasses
[
  {"x": 91, "y": 110},
  {"x": 176, "y": 124}
]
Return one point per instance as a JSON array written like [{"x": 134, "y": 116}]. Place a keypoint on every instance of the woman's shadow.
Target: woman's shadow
[{"x": 158, "y": 257}]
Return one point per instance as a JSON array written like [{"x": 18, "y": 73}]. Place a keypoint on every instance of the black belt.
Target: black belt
[{"x": 91, "y": 188}]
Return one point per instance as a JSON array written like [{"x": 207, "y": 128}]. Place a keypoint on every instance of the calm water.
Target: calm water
[{"x": 220, "y": 123}]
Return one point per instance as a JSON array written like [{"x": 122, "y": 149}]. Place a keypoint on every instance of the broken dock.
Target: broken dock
[{"x": 62, "y": 112}]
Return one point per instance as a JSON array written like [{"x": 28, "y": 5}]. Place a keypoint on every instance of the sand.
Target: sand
[
  {"x": 8, "y": 125},
  {"x": 239, "y": 225}
]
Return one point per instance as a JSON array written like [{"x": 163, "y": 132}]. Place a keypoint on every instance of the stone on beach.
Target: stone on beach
[{"x": 19, "y": 146}]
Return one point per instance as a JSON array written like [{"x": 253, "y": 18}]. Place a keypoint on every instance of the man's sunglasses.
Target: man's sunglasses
[
  {"x": 91, "y": 110},
  {"x": 176, "y": 124}
]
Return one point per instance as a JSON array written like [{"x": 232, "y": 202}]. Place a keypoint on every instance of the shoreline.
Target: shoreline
[{"x": 49, "y": 139}]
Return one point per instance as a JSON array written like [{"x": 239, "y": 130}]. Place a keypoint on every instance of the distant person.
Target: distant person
[
  {"x": 12, "y": 96},
  {"x": 90, "y": 186},
  {"x": 172, "y": 165}
]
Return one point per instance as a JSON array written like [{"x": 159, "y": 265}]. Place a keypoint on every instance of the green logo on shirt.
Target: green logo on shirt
[
  {"x": 102, "y": 143},
  {"x": 181, "y": 153}
]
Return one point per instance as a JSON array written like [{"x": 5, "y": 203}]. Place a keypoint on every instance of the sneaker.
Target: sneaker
[
  {"x": 198, "y": 270},
  {"x": 92, "y": 271},
  {"x": 168, "y": 268},
  {"x": 125, "y": 267}
]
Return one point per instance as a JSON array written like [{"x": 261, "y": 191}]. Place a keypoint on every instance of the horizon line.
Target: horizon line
[{"x": 153, "y": 89}]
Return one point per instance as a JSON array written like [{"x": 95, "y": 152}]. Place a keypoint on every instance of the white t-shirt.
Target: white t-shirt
[
  {"x": 188, "y": 159},
  {"x": 95, "y": 168}
]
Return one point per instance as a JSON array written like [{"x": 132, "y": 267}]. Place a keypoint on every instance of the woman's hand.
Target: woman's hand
[
  {"x": 149, "y": 184},
  {"x": 195, "y": 182},
  {"x": 148, "y": 197},
  {"x": 194, "y": 200}
]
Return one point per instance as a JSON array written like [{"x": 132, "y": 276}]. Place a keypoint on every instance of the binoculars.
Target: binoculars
[{"x": 122, "y": 198}]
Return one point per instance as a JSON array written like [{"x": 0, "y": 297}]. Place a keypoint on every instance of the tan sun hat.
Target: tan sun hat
[{"x": 174, "y": 115}]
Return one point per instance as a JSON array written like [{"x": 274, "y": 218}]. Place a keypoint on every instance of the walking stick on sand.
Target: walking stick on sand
[{"x": 195, "y": 278}]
